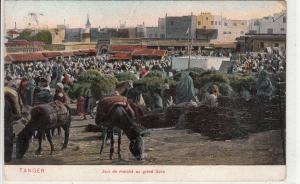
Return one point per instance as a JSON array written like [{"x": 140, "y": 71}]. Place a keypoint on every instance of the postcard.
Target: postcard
[{"x": 157, "y": 91}]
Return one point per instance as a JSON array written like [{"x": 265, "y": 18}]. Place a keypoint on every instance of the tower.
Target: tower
[
  {"x": 88, "y": 23},
  {"x": 86, "y": 35}
]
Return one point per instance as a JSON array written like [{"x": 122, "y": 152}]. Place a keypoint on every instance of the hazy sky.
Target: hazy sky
[{"x": 110, "y": 13}]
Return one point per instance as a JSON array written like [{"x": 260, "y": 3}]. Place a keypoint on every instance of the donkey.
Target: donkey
[
  {"x": 9, "y": 111},
  {"x": 44, "y": 118},
  {"x": 124, "y": 87},
  {"x": 118, "y": 117},
  {"x": 14, "y": 109}
]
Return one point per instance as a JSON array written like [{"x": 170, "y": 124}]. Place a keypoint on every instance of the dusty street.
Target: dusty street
[{"x": 167, "y": 146}]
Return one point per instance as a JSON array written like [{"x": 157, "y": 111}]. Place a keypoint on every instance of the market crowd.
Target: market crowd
[{"x": 43, "y": 82}]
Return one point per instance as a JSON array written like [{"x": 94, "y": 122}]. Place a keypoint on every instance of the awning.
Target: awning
[
  {"x": 67, "y": 54},
  {"x": 125, "y": 48},
  {"x": 91, "y": 52},
  {"x": 121, "y": 56},
  {"x": 226, "y": 45},
  {"x": 78, "y": 53},
  {"x": 26, "y": 57},
  {"x": 149, "y": 52},
  {"x": 51, "y": 54}
]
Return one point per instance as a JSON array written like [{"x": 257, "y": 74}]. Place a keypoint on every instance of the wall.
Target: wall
[
  {"x": 277, "y": 23},
  {"x": 58, "y": 34},
  {"x": 229, "y": 30},
  {"x": 205, "y": 20},
  {"x": 257, "y": 47},
  {"x": 152, "y": 32},
  {"x": 162, "y": 27},
  {"x": 73, "y": 35},
  {"x": 176, "y": 27}
]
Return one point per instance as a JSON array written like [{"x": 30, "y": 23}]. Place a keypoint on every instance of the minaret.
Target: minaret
[
  {"x": 88, "y": 24},
  {"x": 86, "y": 35}
]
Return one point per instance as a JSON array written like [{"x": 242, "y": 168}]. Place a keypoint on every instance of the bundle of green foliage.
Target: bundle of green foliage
[
  {"x": 210, "y": 77},
  {"x": 154, "y": 80},
  {"x": 78, "y": 89},
  {"x": 125, "y": 76},
  {"x": 241, "y": 82},
  {"x": 100, "y": 85}
]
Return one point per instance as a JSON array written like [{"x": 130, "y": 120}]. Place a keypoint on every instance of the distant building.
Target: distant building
[
  {"x": 275, "y": 24},
  {"x": 152, "y": 32},
  {"x": 58, "y": 34},
  {"x": 73, "y": 34},
  {"x": 205, "y": 20},
  {"x": 229, "y": 29},
  {"x": 12, "y": 34},
  {"x": 181, "y": 27},
  {"x": 95, "y": 34},
  {"x": 216, "y": 28},
  {"x": 132, "y": 32},
  {"x": 86, "y": 34},
  {"x": 259, "y": 42},
  {"x": 140, "y": 30},
  {"x": 162, "y": 27}
]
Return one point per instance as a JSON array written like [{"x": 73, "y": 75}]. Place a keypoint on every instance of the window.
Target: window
[
  {"x": 224, "y": 32},
  {"x": 216, "y": 22},
  {"x": 212, "y": 22},
  {"x": 284, "y": 19},
  {"x": 282, "y": 29},
  {"x": 234, "y": 24},
  {"x": 150, "y": 35},
  {"x": 199, "y": 23},
  {"x": 276, "y": 44},
  {"x": 262, "y": 44},
  {"x": 243, "y": 23},
  {"x": 206, "y": 18},
  {"x": 229, "y": 32},
  {"x": 270, "y": 31},
  {"x": 172, "y": 23},
  {"x": 155, "y": 36},
  {"x": 204, "y": 27},
  {"x": 219, "y": 22},
  {"x": 225, "y": 24},
  {"x": 242, "y": 32}
]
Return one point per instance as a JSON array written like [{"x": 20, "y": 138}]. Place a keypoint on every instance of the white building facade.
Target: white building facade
[
  {"x": 229, "y": 30},
  {"x": 275, "y": 24}
]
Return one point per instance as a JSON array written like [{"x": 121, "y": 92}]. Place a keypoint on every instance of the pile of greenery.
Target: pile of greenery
[
  {"x": 100, "y": 85},
  {"x": 209, "y": 77},
  {"x": 227, "y": 83},
  {"x": 241, "y": 82},
  {"x": 125, "y": 76},
  {"x": 154, "y": 80}
]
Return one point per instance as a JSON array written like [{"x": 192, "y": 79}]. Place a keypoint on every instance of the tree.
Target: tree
[{"x": 43, "y": 36}]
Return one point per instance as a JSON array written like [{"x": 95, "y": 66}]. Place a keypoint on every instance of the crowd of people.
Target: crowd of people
[
  {"x": 43, "y": 82},
  {"x": 248, "y": 63}
]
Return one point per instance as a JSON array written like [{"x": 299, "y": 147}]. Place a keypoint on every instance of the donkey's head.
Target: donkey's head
[{"x": 136, "y": 147}]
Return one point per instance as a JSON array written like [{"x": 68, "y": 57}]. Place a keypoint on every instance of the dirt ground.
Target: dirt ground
[{"x": 167, "y": 146}]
